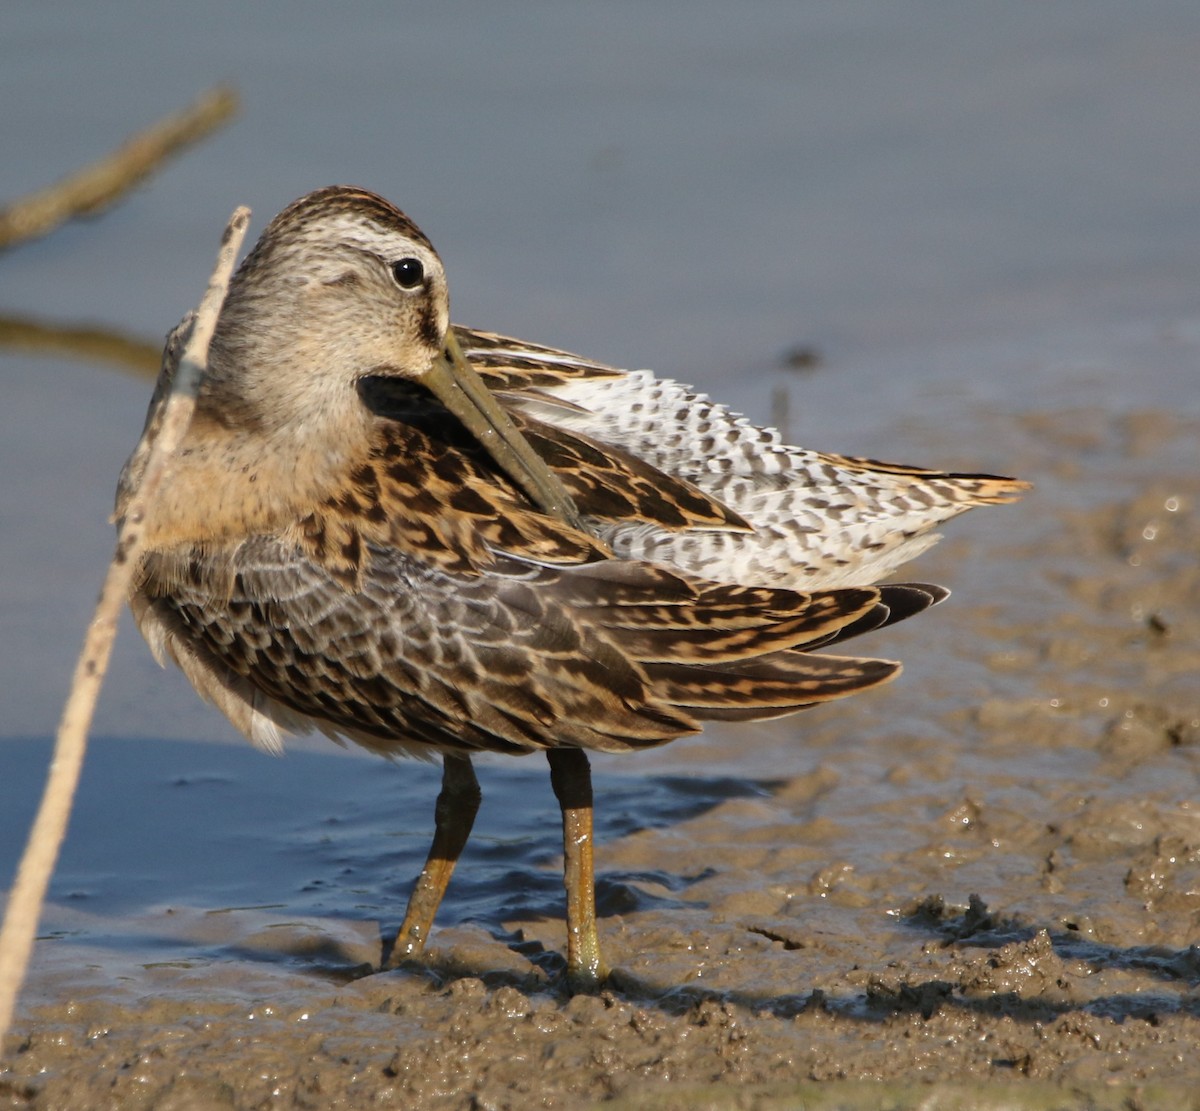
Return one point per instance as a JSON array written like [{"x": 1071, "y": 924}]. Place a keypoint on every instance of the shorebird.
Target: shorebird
[{"x": 431, "y": 540}]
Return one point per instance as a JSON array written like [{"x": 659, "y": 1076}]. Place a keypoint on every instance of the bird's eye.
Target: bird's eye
[{"x": 408, "y": 272}]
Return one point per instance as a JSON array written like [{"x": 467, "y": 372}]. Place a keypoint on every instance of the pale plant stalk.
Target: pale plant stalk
[{"x": 50, "y": 826}]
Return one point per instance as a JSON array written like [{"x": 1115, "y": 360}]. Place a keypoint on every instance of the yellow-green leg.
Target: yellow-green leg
[
  {"x": 457, "y": 805},
  {"x": 571, "y": 778}
]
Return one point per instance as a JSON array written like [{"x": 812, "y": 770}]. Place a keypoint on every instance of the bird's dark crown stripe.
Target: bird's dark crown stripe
[{"x": 339, "y": 199}]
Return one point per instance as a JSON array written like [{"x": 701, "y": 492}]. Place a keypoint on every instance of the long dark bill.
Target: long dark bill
[{"x": 453, "y": 381}]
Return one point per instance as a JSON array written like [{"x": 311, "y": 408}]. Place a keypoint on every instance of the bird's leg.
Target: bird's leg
[
  {"x": 571, "y": 778},
  {"x": 457, "y": 805}
]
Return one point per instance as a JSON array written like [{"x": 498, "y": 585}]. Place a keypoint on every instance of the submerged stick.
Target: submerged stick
[
  {"x": 159, "y": 442},
  {"x": 99, "y": 185}
]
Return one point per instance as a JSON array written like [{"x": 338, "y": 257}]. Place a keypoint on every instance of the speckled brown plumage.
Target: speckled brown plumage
[{"x": 343, "y": 549}]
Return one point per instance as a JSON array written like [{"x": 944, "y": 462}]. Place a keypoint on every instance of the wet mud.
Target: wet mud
[{"x": 979, "y": 886}]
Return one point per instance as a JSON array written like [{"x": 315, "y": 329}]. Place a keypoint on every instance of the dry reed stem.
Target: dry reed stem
[
  {"x": 50, "y": 826},
  {"x": 91, "y": 343},
  {"x": 95, "y": 187}
]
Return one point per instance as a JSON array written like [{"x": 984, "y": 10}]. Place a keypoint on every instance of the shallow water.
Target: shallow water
[
  {"x": 220, "y": 828},
  {"x": 986, "y": 225}
]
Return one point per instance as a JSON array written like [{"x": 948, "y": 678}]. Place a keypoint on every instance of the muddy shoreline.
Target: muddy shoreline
[{"x": 985, "y": 879}]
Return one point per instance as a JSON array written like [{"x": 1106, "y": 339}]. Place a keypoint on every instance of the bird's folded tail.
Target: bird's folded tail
[{"x": 724, "y": 652}]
